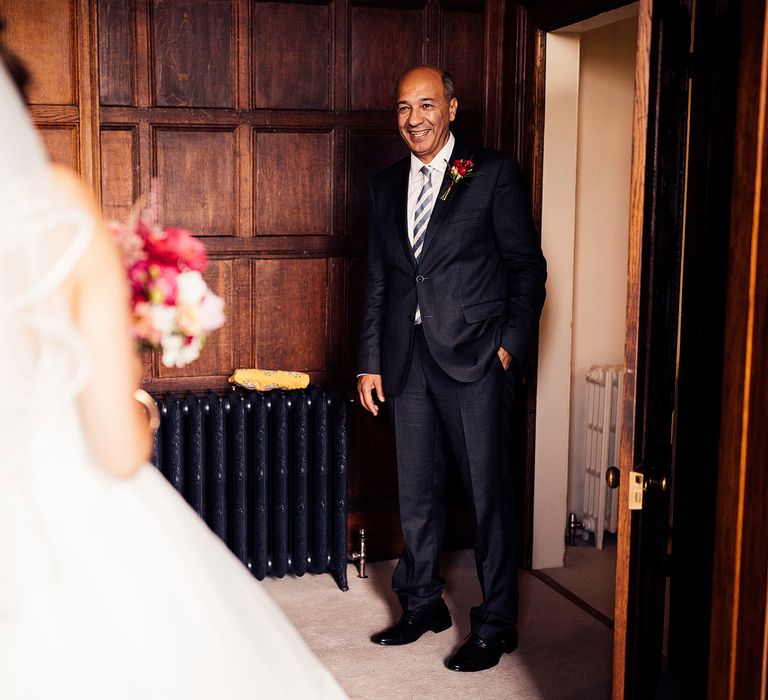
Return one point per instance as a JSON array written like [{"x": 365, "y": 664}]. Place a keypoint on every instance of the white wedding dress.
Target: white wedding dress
[{"x": 109, "y": 588}]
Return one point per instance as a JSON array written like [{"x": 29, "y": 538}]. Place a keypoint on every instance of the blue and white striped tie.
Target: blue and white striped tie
[{"x": 420, "y": 220}]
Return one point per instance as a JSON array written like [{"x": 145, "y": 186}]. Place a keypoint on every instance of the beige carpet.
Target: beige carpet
[
  {"x": 564, "y": 654},
  {"x": 589, "y": 573}
]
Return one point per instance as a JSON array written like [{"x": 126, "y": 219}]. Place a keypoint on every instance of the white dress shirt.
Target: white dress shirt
[{"x": 438, "y": 166}]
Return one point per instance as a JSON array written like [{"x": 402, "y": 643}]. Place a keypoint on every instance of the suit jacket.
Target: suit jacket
[{"x": 479, "y": 281}]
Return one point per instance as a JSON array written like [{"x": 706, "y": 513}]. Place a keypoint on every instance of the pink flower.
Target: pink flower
[
  {"x": 177, "y": 246},
  {"x": 138, "y": 276},
  {"x": 160, "y": 284}
]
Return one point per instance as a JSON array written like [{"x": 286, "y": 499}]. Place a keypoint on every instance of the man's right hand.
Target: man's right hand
[{"x": 366, "y": 383}]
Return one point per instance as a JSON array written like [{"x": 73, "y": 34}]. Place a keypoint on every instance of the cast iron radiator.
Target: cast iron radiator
[{"x": 266, "y": 471}]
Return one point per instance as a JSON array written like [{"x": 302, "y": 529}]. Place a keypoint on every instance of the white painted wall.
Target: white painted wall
[
  {"x": 585, "y": 210},
  {"x": 606, "y": 87},
  {"x": 557, "y": 241}
]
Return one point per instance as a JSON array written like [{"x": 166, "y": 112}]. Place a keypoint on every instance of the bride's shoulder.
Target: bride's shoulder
[
  {"x": 100, "y": 257},
  {"x": 68, "y": 184}
]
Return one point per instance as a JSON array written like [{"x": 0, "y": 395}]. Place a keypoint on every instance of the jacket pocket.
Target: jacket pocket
[{"x": 475, "y": 313}]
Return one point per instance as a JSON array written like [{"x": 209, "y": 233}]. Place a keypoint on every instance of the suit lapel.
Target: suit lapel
[
  {"x": 441, "y": 207},
  {"x": 400, "y": 202}
]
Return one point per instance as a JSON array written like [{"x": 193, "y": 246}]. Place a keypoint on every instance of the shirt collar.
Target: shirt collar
[{"x": 439, "y": 163}]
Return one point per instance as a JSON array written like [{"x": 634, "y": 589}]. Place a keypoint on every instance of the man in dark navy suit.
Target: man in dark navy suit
[{"x": 455, "y": 287}]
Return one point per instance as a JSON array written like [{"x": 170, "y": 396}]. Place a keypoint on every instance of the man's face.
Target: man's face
[{"x": 423, "y": 113}]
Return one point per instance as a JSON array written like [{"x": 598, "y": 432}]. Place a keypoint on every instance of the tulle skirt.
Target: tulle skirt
[{"x": 116, "y": 589}]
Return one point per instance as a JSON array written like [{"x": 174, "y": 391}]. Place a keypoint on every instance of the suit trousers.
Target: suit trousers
[{"x": 431, "y": 414}]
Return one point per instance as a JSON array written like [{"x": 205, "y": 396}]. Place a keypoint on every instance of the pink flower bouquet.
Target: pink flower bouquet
[{"x": 173, "y": 308}]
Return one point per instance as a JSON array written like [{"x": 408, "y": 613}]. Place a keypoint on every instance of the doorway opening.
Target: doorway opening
[{"x": 590, "y": 71}]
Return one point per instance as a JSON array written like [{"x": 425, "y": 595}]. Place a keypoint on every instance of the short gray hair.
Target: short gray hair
[{"x": 448, "y": 89}]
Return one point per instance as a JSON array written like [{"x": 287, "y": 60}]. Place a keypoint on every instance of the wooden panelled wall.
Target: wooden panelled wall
[
  {"x": 262, "y": 122},
  {"x": 55, "y": 40}
]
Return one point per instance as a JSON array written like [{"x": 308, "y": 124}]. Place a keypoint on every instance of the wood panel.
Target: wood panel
[
  {"x": 385, "y": 42},
  {"x": 220, "y": 354},
  {"x": 294, "y": 187},
  {"x": 291, "y": 56},
  {"x": 117, "y": 38},
  {"x": 369, "y": 152},
  {"x": 192, "y": 52},
  {"x": 372, "y": 486},
  {"x": 462, "y": 54},
  {"x": 118, "y": 176},
  {"x": 290, "y": 313},
  {"x": 356, "y": 276},
  {"x": 55, "y": 41},
  {"x": 62, "y": 143},
  {"x": 196, "y": 171},
  {"x": 44, "y": 37}
]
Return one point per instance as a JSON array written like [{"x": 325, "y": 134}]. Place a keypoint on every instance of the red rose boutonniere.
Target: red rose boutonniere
[{"x": 460, "y": 169}]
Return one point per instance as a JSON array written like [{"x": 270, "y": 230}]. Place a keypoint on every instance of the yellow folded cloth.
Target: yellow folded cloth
[{"x": 266, "y": 379}]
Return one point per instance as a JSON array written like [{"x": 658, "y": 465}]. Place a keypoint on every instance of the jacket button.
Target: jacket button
[{"x": 420, "y": 278}]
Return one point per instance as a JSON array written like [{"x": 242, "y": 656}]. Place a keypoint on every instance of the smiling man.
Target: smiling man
[{"x": 455, "y": 287}]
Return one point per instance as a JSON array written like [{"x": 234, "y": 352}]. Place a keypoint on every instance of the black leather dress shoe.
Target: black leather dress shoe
[
  {"x": 479, "y": 653},
  {"x": 413, "y": 623}
]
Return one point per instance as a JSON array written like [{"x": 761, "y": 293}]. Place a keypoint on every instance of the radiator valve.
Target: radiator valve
[
  {"x": 573, "y": 527},
  {"x": 360, "y": 556}
]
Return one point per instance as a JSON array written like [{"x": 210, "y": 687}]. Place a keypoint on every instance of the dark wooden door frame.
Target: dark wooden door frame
[
  {"x": 549, "y": 15},
  {"x": 737, "y": 667}
]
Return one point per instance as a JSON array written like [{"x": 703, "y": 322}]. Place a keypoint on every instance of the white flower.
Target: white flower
[
  {"x": 163, "y": 318},
  {"x": 188, "y": 320},
  {"x": 190, "y": 288},
  {"x": 190, "y": 351},
  {"x": 172, "y": 344},
  {"x": 178, "y": 351},
  {"x": 211, "y": 312}
]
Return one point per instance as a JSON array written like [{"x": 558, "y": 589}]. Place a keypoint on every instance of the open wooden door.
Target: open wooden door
[{"x": 656, "y": 236}]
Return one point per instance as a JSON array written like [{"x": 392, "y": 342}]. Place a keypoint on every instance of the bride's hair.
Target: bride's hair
[{"x": 15, "y": 66}]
